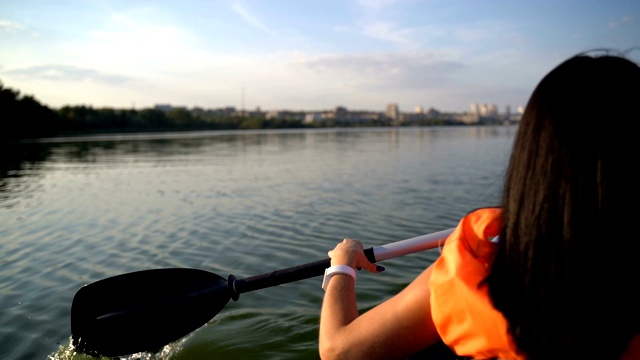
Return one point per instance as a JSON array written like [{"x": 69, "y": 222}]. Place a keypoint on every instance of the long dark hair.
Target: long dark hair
[{"x": 566, "y": 272}]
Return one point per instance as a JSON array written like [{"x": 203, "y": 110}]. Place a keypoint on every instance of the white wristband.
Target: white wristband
[{"x": 338, "y": 269}]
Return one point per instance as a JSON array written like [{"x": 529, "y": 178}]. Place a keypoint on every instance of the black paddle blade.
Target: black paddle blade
[{"x": 144, "y": 310}]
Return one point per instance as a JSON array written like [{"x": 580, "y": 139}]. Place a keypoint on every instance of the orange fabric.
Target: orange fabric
[{"x": 462, "y": 311}]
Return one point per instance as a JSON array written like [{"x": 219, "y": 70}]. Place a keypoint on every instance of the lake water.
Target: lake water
[{"x": 77, "y": 210}]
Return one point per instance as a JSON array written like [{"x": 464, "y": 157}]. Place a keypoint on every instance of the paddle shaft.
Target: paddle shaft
[
  {"x": 145, "y": 310},
  {"x": 316, "y": 268}
]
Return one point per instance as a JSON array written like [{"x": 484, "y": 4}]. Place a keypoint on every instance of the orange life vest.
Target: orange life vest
[{"x": 461, "y": 309}]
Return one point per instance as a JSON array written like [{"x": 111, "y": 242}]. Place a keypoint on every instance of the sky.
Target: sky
[{"x": 301, "y": 55}]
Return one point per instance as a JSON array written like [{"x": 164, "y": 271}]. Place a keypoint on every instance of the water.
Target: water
[{"x": 77, "y": 210}]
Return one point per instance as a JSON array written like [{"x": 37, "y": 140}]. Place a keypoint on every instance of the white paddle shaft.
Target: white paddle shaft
[{"x": 410, "y": 246}]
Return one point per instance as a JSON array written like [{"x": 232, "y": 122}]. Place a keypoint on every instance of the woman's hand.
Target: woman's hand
[
  {"x": 396, "y": 329},
  {"x": 351, "y": 253}
]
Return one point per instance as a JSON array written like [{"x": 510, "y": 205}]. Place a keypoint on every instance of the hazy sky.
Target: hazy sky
[{"x": 300, "y": 54}]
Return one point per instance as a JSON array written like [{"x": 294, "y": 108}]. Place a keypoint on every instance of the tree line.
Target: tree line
[{"x": 22, "y": 116}]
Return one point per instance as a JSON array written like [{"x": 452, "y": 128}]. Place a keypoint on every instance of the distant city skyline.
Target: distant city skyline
[
  {"x": 300, "y": 55},
  {"x": 392, "y": 109}
]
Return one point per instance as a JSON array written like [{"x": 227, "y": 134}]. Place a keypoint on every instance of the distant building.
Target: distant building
[
  {"x": 507, "y": 115},
  {"x": 473, "y": 116},
  {"x": 229, "y": 111},
  {"x": 488, "y": 110},
  {"x": 393, "y": 112},
  {"x": 480, "y": 113},
  {"x": 514, "y": 118},
  {"x": 341, "y": 113},
  {"x": 483, "y": 114},
  {"x": 274, "y": 114},
  {"x": 313, "y": 117},
  {"x": 285, "y": 115},
  {"x": 475, "y": 109},
  {"x": 432, "y": 113},
  {"x": 163, "y": 107}
]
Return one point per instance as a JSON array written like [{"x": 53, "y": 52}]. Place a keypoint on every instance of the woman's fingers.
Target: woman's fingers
[{"x": 351, "y": 252}]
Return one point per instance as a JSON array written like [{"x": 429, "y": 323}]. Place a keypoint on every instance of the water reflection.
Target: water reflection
[
  {"x": 31, "y": 160},
  {"x": 18, "y": 161}
]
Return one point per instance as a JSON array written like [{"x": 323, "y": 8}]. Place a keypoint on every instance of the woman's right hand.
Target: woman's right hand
[{"x": 350, "y": 252}]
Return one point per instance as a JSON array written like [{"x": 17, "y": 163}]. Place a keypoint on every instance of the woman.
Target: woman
[{"x": 552, "y": 273}]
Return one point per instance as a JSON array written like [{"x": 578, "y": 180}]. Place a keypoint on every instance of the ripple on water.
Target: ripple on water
[{"x": 241, "y": 204}]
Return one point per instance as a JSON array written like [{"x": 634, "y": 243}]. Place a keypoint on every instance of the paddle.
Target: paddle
[{"x": 145, "y": 310}]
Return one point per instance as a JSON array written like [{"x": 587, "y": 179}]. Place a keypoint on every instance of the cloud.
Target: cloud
[
  {"x": 385, "y": 31},
  {"x": 251, "y": 19},
  {"x": 377, "y": 21},
  {"x": 378, "y": 4},
  {"x": 135, "y": 41},
  {"x": 420, "y": 70},
  {"x": 10, "y": 26},
  {"x": 67, "y": 73},
  {"x": 392, "y": 21},
  {"x": 624, "y": 19}
]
